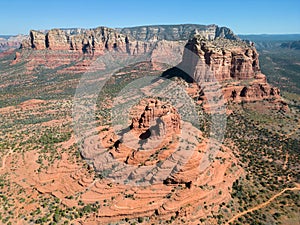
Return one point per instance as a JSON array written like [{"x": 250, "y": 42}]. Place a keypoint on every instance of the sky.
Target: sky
[{"x": 242, "y": 16}]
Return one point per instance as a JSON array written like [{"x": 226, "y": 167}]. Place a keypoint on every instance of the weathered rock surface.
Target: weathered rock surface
[
  {"x": 231, "y": 66},
  {"x": 256, "y": 90},
  {"x": 226, "y": 58},
  {"x": 155, "y": 109},
  {"x": 93, "y": 41},
  {"x": 37, "y": 40},
  {"x": 154, "y": 124},
  {"x": 56, "y": 40},
  {"x": 131, "y": 40}
]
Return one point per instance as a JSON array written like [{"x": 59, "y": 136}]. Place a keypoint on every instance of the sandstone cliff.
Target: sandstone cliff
[
  {"x": 226, "y": 58},
  {"x": 231, "y": 65},
  {"x": 93, "y": 41},
  {"x": 131, "y": 40}
]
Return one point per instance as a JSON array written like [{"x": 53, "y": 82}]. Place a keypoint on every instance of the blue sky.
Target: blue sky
[{"x": 243, "y": 17}]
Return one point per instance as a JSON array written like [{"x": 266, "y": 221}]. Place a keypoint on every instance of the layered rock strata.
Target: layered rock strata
[{"x": 94, "y": 41}]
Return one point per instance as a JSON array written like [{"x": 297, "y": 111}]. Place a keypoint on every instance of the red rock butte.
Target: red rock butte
[{"x": 155, "y": 124}]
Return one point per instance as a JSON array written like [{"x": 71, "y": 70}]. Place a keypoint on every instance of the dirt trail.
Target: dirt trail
[
  {"x": 263, "y": 204},
  {"x": 286, "y": 161},
  {"x": 4, "y": 159},
  {"x": 292, "y": 132}
]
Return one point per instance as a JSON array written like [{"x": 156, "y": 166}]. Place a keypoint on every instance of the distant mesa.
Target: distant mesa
[
  {"x": 132, "y": 40},
  {"x": 177, "y": 32}
]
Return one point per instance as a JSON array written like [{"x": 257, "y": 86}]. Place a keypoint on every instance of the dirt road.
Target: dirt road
[{"x": 264, "y": 204}]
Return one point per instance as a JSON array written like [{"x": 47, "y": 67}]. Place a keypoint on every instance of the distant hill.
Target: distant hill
[
  {"x": 270, "y": 37},
  {"x": 264, "y": 41},
  {"x": 291, "y": 45}
]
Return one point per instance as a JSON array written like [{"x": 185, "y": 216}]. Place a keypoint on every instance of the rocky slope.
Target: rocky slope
[{"x": 154, "y": 123}]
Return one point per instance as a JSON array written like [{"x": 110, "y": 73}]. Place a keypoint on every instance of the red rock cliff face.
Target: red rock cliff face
[
  {"x": 56, "y": 40},
  {"x": 36, "y": 41},
  {"x": 135, "y": 40},
  {"x": 230, "y": 65},
  {"x": 226, "y": 58},
  {"x": 94, "y": 41}
]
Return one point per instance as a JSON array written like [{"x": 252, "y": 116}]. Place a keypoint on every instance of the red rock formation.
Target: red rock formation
[
  {"x": 56, "y": 39},
  {"x": 36, "y": 41},
  {"x": 155, "y": 124},
  {"x": 155, "y": 109},
  {"x": 93, "y": 41},
  {"x": 226, "y": 58},
  {"x": 252, "y": 92},
  {"x": 231, "y": 65}
]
